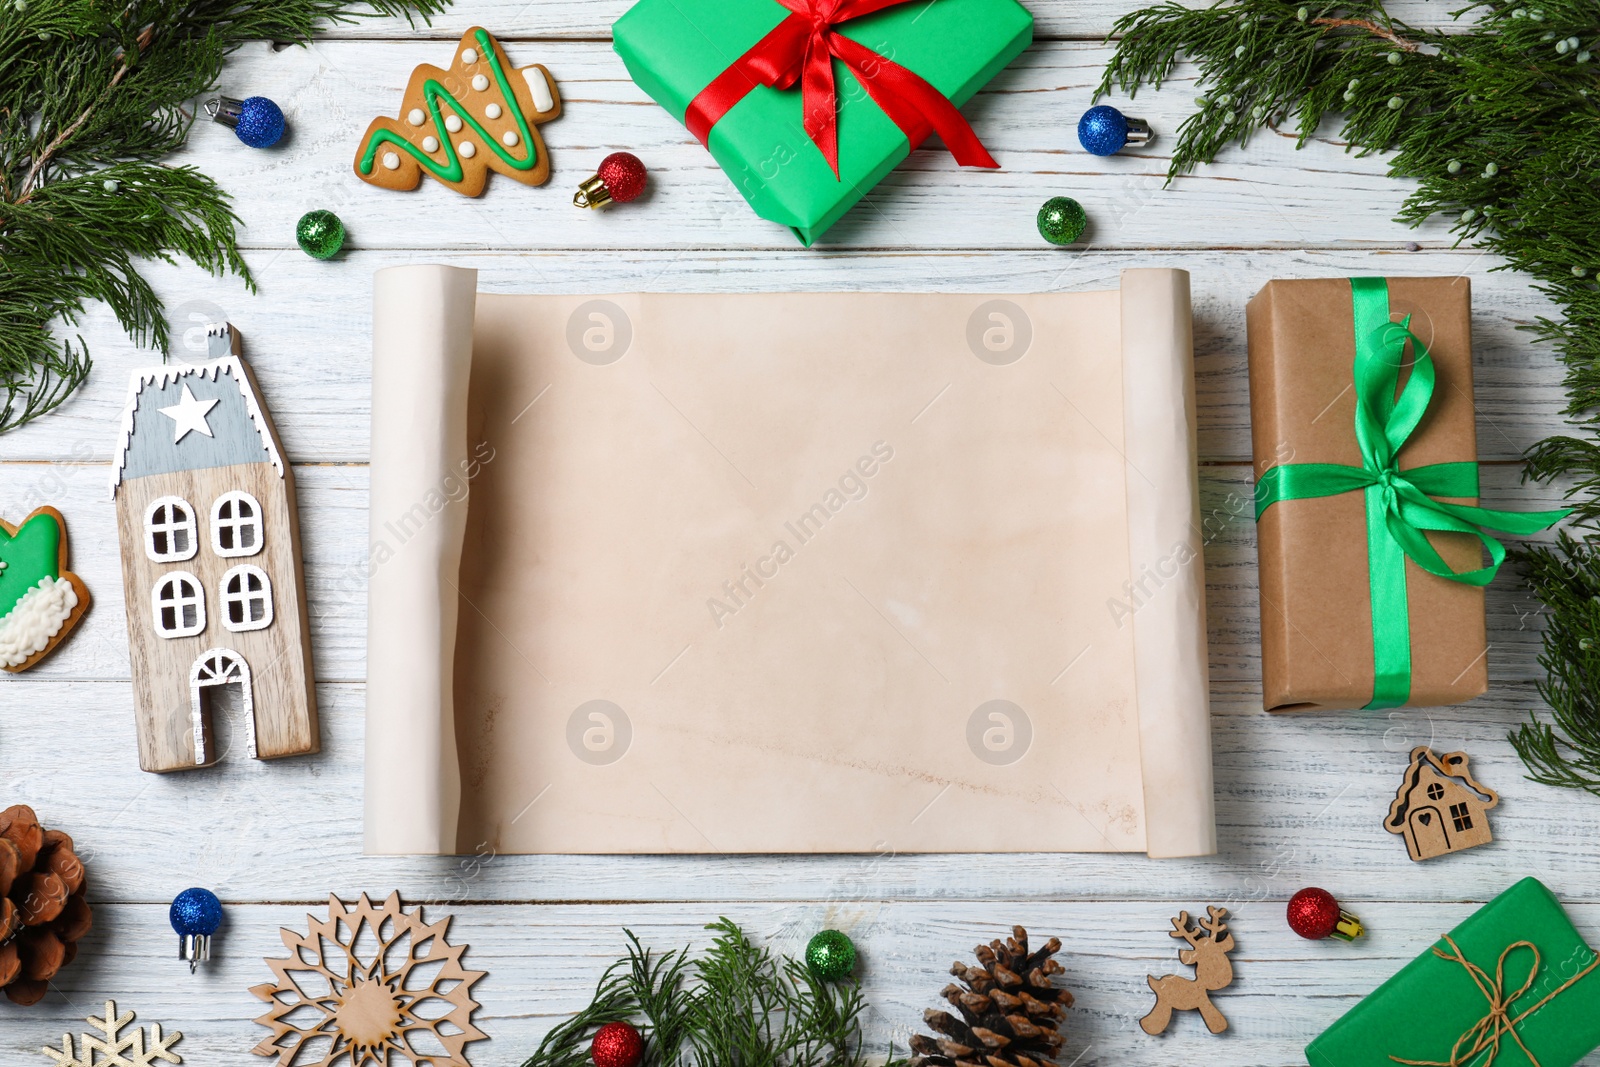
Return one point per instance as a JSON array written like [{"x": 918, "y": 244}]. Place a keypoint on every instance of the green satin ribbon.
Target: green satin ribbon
[{"x": 1400, "y": 504}]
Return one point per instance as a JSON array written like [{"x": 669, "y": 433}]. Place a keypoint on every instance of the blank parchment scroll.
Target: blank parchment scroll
[{"x": 785, "y": 573}]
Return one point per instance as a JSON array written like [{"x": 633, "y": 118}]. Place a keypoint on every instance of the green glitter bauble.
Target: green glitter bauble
[
  {"x": 1061, "y": 220},
  {"x": 831, "y": 956},
  {"x": 320, "y": 234}
]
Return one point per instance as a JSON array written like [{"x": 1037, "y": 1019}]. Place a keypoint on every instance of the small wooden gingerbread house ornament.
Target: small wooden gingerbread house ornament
[
  {"x": 1440, "y": 807},
  {"x": 210, "y": 544}
]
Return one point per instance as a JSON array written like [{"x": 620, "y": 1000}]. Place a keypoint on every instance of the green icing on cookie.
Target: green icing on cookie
[{"x": 33, "y": 552}]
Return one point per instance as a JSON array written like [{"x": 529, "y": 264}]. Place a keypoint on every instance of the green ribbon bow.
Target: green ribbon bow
[{"x": 1400, "y": 504}]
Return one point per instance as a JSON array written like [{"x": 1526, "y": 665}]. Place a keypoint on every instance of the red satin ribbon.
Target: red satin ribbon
[{"x": 802, "y": 49}]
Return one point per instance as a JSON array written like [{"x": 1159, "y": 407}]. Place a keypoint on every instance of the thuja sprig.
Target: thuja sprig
[
  {"x": 641, "y": 988},
  {"x": 1497, "y": 121},
  {"x": 93, "y": 96},
  {"x": 1568, "y": 581},
  {"x": 734, "y": 1005}
]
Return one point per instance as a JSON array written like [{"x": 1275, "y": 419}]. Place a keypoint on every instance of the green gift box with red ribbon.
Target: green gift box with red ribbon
[
  {"x": 807, "y": 104},
  {"x": 1372, "y": 547},
  {"x": 1514, "y": 985}
]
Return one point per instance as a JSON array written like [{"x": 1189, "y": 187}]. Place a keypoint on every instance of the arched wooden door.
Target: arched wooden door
[{"x": 216, "y": 668}]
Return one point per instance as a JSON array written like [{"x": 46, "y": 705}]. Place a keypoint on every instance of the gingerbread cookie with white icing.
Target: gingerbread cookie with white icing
[
  {"x": 40, "y": 600},
  {"x": 456, "y": 125}
]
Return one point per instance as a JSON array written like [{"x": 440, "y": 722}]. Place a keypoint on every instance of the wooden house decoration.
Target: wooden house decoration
[
  {"x": 1440, "y": 807},
  {"x": 210, "y": 544}
]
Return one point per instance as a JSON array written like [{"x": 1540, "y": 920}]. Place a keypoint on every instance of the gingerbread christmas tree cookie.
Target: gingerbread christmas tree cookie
[
  {"x": 40, "y": 600},
  {"x": 456, "y": 125}
]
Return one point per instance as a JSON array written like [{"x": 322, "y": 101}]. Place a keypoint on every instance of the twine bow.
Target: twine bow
[
  {"x": 1498, "y": 1023},
  {"x": 1400, "y": 503},
  {"x": 801, "y": 49}
]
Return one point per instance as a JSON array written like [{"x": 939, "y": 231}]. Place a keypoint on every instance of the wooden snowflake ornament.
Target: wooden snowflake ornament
[
  {"x": 115, "y": 1049},
  {"x": 381, "y": 983}
]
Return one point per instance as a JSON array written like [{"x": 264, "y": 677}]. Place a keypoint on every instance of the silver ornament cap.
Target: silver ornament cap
[
  {"x": 226, "y": 110},
  {"x": 195, "y": 949}
]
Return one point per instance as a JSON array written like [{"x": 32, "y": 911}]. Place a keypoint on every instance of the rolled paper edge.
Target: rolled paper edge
[
  {"x": 1170, "y": 649},
  {"x": 422, "y": 354}
]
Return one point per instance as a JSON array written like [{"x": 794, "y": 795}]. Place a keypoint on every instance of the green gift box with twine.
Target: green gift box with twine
[
  {"x": 1512, "y": 986},
  {"x": 807, "y": 104},
  {"x": 1371, "y": 544}
]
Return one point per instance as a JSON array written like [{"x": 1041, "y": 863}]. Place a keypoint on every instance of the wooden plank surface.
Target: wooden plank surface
[
  {"x": 524, "y": 19},
  {"x": 1270, "y": 196},
  {"x": 1299, "y": 799},
  {"x": 542, "y": 961}
]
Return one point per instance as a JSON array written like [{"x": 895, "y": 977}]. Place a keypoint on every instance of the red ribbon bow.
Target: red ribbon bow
[{"x": 802, "y": 49}]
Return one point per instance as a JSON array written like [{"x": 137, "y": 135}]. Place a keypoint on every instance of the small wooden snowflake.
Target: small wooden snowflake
[{"x": 116, "y": 1049}]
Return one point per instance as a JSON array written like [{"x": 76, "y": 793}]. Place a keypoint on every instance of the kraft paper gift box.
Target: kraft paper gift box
[
  {"x": 1350, "y": 615},
  {"x": 676, "y": 49},
  {"x": 1437, "y": 1008}
]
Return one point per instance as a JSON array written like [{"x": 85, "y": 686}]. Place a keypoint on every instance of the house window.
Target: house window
[
  {"x": 1435, "y": 791},
  {"x": 236, "y": 524},
  {"x": 179, "y": 603},
  {"x": 1461, "y": 816},
  {"x": 169, "y": 534},
  {"x": 246, "y": 599}
]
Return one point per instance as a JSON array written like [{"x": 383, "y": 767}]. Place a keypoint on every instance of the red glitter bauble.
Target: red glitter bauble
[
  {"x": 617, "y": 1045},
  {"x": 624, "y": 176},
  {"x": 1313, "y": 913}
]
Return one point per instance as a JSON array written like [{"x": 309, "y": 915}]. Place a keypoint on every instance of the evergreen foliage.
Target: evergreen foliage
[
  {"x": 1498, "y": 122},
  {"x": 1567, "y": 579},
  {"x": 735, "y": 1005},
  {"x": 93, "y": 95}
]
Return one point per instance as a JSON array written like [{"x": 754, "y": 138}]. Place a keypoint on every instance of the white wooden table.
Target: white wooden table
[{"x": 1299, "y": 800}]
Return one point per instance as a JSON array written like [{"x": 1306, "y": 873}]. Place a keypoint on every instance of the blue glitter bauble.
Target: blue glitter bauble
[
  {"x": 1103, "y": 130},
  {"x": 196, "y": 911},
  {"x": 260, "y": 122}
]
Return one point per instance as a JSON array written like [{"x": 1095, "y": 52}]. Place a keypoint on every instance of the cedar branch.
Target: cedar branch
[
  {"x": 65, "y": 135},
  {"x": 1372, "y": 28}
]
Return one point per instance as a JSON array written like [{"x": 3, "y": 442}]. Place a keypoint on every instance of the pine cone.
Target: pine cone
[
  {"x": 42, "y": 910},
  {"x": 1009, "y": 1010}
]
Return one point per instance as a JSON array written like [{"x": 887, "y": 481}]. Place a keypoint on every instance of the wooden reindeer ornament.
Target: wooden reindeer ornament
[{"x": 1208, "y": 956}]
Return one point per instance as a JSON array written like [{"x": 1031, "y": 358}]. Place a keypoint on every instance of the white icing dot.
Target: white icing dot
[
  {"x": 542, "y": 100},
  {"x": 415, "y": 116},
  {"x": 430, "y": 144},
  {"x": 452, "y": 123},
  {"x": 468, "y": 149},
  {"x": 493, "y": 111},
  {"x": 479, "y": 82},
  {"x": 469, "y": 55},
  {"x": 510, "y": 138},
  {"x": 391, "y": 160}
]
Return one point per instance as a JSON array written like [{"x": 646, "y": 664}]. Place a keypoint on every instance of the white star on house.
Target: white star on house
[{"x": 189, "y": 414}]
